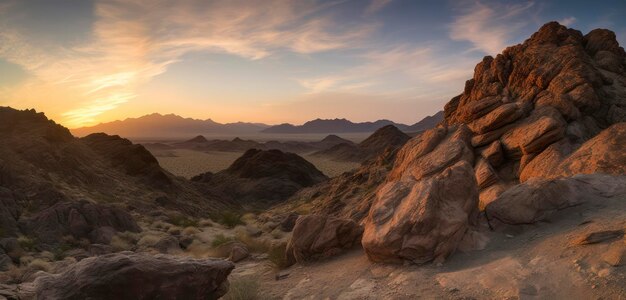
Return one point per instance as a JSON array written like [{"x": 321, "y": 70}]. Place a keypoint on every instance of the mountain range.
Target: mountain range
[{"x": 171, "y": 125}]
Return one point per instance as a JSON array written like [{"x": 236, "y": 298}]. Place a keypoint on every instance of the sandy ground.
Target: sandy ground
[
  {"x": 535, "y": 261},
  {"x": 188, "y": 163}
]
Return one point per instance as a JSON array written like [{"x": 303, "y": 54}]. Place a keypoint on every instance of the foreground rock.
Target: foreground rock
[
  {"x": 137, "y": 276},
  {"x": 430, "y": 198},
  {"x": 316, "y": 236},
  {"x": 536, "y": 200}
]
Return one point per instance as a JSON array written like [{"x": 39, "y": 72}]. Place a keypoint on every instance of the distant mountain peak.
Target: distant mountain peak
[{"x": 198, "y": 139}]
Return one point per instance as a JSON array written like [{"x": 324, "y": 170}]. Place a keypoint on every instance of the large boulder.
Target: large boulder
[
  {"x": 536, "y": 200},
  {"x": 428, "y": 202},
  {"x": 317, "y": 236},
  {"x": 129, "y": 275}
]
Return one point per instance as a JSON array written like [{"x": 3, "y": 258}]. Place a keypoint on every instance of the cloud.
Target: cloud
[
  {"x": 135, "y": 40},
  {"x": 407, "y": 65},
  {"x": 376, "y": 5},
  {"x": 490, "y": 27},
  {"x": 567, "y": 21}
]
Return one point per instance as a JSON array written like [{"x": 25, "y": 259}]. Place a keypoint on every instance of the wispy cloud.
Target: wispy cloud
[
  {"x": 567, "y": 21},
  {"x": 490, "y": 27},
  {"x": 419, "y": 66},
  {"x": 376, "y": 5},
  {"x": 133, "y": 41}
]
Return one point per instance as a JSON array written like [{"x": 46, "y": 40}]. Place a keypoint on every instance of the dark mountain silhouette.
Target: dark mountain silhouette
[
  {"x": 332, "y": 126},
  {"x": 170, "y": 125}
]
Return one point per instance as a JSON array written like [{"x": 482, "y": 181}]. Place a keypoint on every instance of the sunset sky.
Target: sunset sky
[{"x": 273, "y": 61}]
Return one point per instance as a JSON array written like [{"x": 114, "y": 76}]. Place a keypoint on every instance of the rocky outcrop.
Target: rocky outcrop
[
  {"x": 316, "y": 236},
  {"x": 81, "y": 220},
  {"x": 536, "y": 109},
  {"x": 428, "y": 201},
  {"x": 137, "y": 276},
  {"x": 536, "y": 200},
  {"x": 260, "y": 178}
]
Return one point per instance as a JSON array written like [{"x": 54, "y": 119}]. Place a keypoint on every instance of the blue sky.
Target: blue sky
[{"x": 273, "y": 61}]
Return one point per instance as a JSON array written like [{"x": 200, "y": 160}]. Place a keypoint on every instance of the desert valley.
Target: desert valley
[{"x": 514, "y": 189}]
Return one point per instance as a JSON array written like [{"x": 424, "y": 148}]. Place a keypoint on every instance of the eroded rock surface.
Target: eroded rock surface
[
  {"x": 316, "y": 236},
  {"x": 137, "y": 276},
  {"x": 427, "y": 203}
]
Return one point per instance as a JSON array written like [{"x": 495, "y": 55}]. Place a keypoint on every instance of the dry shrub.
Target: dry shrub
[
  {"x": 40, "y": 265},
  {"x": 201, "y": 250},
  {"x": 277, "y": 255},
  {"x": 243, "y": 289},
  {"x": 181, "y": 220},
  {"x": 191, "y": 230},
  {"x": 174, "y": 230},
  {"x": 221, "y": 239},
  {"x": 119, "y": 243},
  {"x": 161, "y": 225},
  {"x": 205, "y": 223},
  {"x": 253, "y": 244},
  {"x": 27, "y": 243},
  {"x": 149, "y": 240},
  {"x": 230, "y": 219}
]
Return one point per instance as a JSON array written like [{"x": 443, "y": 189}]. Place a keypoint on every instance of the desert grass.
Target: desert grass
[{"x": 246, "y": 288}]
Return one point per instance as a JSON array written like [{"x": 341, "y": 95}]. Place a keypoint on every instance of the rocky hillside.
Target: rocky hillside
[
  {"x": 551, "y": 107},
  {"x": 53, "y": 184},
  {"x": 262, "y": 177}
]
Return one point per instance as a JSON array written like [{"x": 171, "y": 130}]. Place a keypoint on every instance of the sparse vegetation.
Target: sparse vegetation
[
  {"x": 181, "y": 220},
  {"x": 191, "y": 230},
  {"x": 40, "y": 265},
  {"x": 27, "y": 243},
  {"x": 243, "y": 289},
  {"x": 253, "y": 244},
  {"x": 277, "y": 255},
  {"x": 230, "y": 219},
  {"x": 221, "y": 239}
]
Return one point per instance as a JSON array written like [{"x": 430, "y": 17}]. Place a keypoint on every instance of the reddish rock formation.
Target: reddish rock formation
[
  {"x": 316, "y": 236},
  {"x": 428, "y": 201}
]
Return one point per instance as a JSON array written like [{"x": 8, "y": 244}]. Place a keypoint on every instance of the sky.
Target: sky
[{"x": 84, "y": 62}]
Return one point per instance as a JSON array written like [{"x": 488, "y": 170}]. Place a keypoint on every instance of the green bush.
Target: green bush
[
  {"x": 221, "y": 239},
  {"x": 27, "y": 243},
  {"x": 230, "y": 219},
  {"x": 243, "y": 289}
]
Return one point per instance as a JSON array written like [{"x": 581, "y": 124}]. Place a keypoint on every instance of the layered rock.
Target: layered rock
[
  {"x": 532, "y": 107},
  {"x": 317, "y": 236},
  {"x": 538, "y": 199},
  {"x": 428, "y": 201},
  {"x": 137, "y": 276},
  {"x": 81, "y": 219}
]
